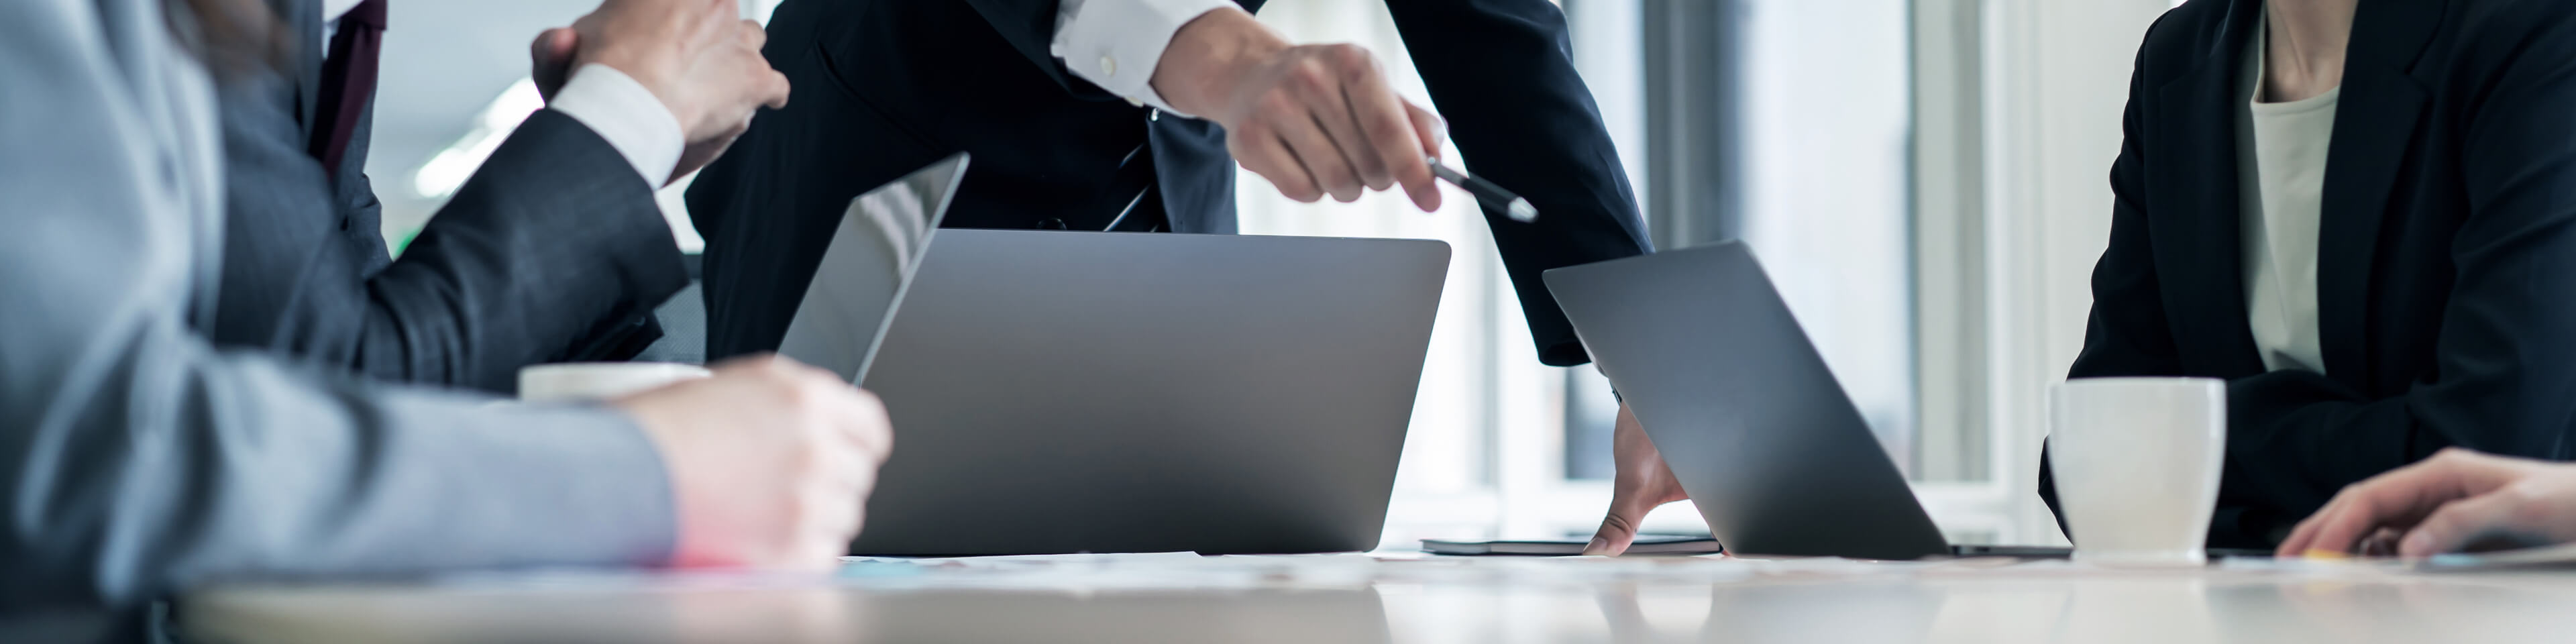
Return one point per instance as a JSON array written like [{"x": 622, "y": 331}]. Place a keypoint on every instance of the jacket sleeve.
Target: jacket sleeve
[
  {"x": 1503, "y": 72},
  {"x": 553, "y": 247},
  {"x": 1029, "y": 25},
  {"x": 137, "y": 461},
  {"x": 2502, "y": 374}
]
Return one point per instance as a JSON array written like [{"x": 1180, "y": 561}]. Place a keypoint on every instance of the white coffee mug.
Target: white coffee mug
[
  {"x": 2136, "y": 462},
  {"x": 586, "y": 381}
]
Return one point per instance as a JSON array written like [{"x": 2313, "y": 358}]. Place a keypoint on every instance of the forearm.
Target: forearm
[
  {"x": 1522, "y": 117},
  {"x": 551, "y": 240},
  {"x": 249, "y": 469}
]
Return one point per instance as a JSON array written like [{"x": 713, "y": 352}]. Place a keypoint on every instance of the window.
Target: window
[{"x": 1811, "y": 128}]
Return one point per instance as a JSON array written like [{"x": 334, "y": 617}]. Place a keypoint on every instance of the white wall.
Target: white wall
[{"x": 2056, "y": 79}]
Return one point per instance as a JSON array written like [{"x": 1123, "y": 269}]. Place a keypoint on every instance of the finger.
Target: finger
[
  {"x": 2458, "y": 522},
  {"x": 1391, "y": 133},
  {"x": 1428, "y": 127},
  {"x": 2304, "y": 534},
  {"x": 2398, "y": 499},
  {"x": 752, "y": 35},
  {"x": 2358, "y": 511},
  {"x": 853, "y": 467},
  {"x": 1628, "y": 508},
  {"x": 829, "y": 523},
  {"x": 2380, "y": 543},
  {"x": 1265, "y": 154},
  {"x": 1328, "y": 97},
  {"x": 550, "y": 60},
  {"x": 773, "y": 88},
  {"x": 1340, "y": 120},
  {"x": 866, "y": 428},
  {"x": 2297, "y": 543},
  {"x": 1323, "y": 161}
]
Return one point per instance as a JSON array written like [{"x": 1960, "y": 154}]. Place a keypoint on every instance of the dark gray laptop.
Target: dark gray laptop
[
  {"x": 1743, "y": 408},
  {"x": 1058, "y": 392}
]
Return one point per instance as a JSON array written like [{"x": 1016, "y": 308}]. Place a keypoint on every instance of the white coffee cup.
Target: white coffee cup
[
  {"x": 2136, "y": 462},
  {"x": 587, "y": 381}
]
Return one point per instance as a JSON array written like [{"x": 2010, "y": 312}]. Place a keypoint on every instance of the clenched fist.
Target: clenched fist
[{"x": 770, "y": 462}]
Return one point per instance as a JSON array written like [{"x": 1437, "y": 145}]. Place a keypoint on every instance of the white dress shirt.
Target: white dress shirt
[
  {"x": 2281, "y": 169},
  {"x": 609, "y": 102},
  {"x": 332, "y": 10},
  {"x": 1116, "y": 44}
]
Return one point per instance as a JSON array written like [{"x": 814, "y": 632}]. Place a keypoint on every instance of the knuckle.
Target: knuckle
[
  {"x": 1618, "y": 523},
  {"x": 797, "y": 400},
  {"x": 2527, "y": 506},
  {"x": 1355, "y": 61},
  {"x": 1311, "y": 77},
  {"x": 1280, "y": 106}
]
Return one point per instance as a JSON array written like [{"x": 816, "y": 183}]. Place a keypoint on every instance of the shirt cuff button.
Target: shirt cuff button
[{"x": 1108, "y": 66}]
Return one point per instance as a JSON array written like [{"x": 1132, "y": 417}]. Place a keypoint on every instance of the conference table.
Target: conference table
[{"x": 1411, "y": 598}]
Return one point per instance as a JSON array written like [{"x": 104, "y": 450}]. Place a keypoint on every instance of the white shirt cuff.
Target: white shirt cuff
[
  {"x": 1116, "y": 44},
  {"x": 630, "y": 117}
]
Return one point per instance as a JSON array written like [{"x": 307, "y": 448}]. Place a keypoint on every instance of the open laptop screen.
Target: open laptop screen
[{"x": 865, "y": 270}]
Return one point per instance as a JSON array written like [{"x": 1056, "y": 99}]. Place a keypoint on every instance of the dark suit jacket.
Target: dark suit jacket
[
  {"x": 554, "y": 251},
  {"x": 884, "y": 87},
  {"x": 2446, "y": 259}
]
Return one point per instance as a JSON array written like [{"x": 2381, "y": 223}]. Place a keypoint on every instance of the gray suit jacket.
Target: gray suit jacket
[
  {"x": 554, "y": 251},
  {"x": 137, "y": 460}
]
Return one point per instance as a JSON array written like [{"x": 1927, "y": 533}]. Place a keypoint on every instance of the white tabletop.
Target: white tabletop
[{"x": 1359, "y": 598}]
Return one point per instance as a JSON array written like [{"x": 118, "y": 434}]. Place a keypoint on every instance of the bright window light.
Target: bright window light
[{"x": 449, "y": 168}]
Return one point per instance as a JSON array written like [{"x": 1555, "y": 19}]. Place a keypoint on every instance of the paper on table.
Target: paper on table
[
  {"x": 2559, "y": 556},
  {"x": 1018, "y": 561}
]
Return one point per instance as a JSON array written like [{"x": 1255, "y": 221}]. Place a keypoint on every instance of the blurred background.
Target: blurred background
[{"x": 1923, "y": 178}]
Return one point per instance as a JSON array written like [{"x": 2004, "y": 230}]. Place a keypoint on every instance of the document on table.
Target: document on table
[{"x": 2560, "y": 556}]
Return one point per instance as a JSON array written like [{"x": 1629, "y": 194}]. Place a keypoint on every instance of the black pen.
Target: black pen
[{"x": 1519, "y": 209}]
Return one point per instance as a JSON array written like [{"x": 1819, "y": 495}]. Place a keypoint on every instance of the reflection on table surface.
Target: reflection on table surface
[{"x": 1409, "y": 599}]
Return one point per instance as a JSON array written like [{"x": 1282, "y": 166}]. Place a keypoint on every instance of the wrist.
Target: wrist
[
  {"x": 644, "y": 73},
  {"x": 1208, "y": 56}
]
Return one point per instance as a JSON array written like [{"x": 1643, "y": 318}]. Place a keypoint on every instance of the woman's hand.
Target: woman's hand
[{"x": 2458, "y": 499}]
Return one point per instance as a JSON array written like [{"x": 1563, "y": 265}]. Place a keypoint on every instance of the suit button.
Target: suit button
[
  {"x": 1052, "y": 224},
  {"x": 1155, "y": 115}
]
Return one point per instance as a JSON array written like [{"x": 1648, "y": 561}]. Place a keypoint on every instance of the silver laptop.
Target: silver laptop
[
  {"x": 1775, "y": 456},
  {"x": 1057, "y": 392},
  {"x": 864, "y": 272}
]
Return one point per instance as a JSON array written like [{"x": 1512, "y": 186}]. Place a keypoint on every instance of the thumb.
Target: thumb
[
  {"x": 1628, "y": 508},
  {"x": 1428, "y": 126},
  {"x": 550, "y": 60},
  {"x": 2458, "y": 522}
]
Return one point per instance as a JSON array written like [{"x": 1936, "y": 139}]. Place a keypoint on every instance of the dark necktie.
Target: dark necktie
[
  {"x": 1144, "y": 208},
  {"x": 348, "y": 79}
]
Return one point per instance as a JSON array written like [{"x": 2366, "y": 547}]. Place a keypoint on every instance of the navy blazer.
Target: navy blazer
[
  {"x": 2446, "y": 255},
  {"x": 884, "y": 87},
  {"x": 553, "y": 251}
]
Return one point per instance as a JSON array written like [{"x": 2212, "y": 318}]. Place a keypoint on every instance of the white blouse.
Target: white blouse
[{"x": 2281, "y": 168}]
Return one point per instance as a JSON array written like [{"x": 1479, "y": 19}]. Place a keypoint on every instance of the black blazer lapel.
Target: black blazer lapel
[
  {"x": 2197, "y": 237},
  {"x": 2375, "y": 123}
]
